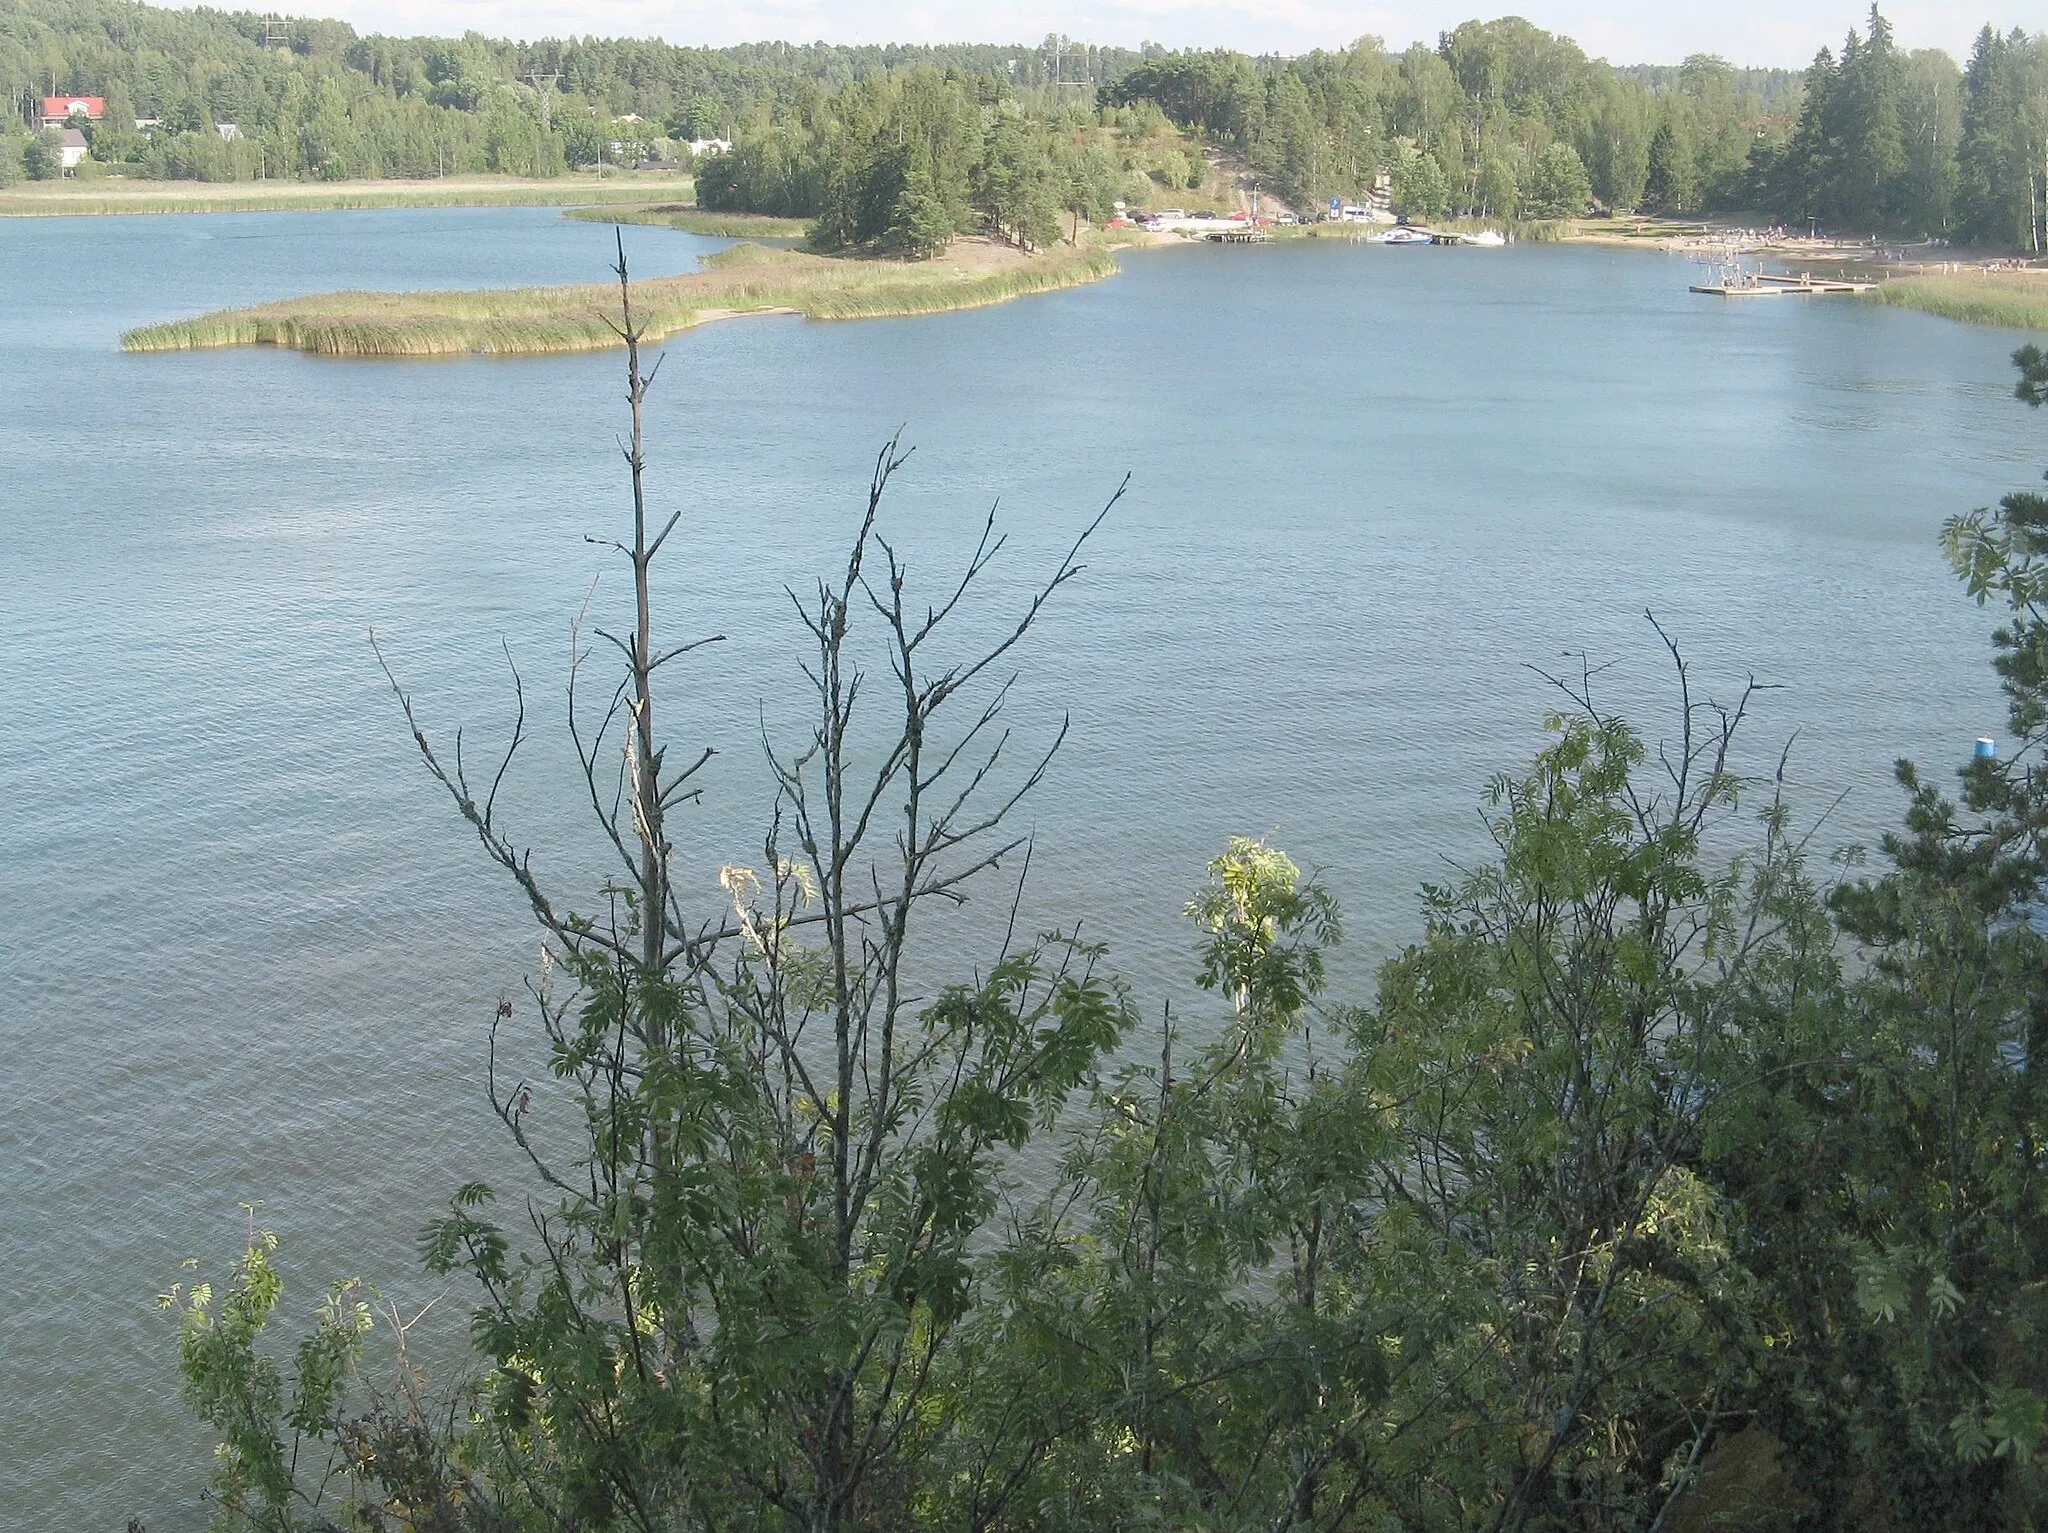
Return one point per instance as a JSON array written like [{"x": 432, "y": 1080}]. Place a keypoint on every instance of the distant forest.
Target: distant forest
[
  {"x": 1867, "y": 139},
  {"x": 904, "y": 146}
]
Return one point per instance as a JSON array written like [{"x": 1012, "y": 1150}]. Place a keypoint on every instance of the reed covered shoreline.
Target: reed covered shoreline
[
  {"x": 2016, "y": 300},
  {"x": 691, "y": 219},
  {"x": 94, "y": 199},
  {"x": 746, "y": 279}
]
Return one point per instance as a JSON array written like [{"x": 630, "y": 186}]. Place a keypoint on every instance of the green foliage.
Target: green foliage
[
  {"x": 1999, "y": 180},
  {"x": 1563, "y": 1038},
  {"x": 1494, "y": 93},
  {"x": 1846, "y": 157},
  {"x": 1016, "y": 187},
  {"x": 772, "y": 1152},
  {"x": 922, "y": 221},
  {"x": 898, "y": 159},
  {"x": 2032, "y": 389},
  {"x": 905, "y": 161},
  {"x": 1874, "y": 138},
  {"x": 1419, "y": 187},
  {"x": 1887, "y": 140},
  {"x": 1264, "y": 933},
  {"x": 1498, "y": 193},
  {"x": 240, "y": 1390},
  {"x": 1559, "y": 188},
  {"x": 335, "y": 104},
  {"x": 1904, "y": 1256},
  {"x": 1670, "y": 182},
  {"x": 41, "y": 157}
]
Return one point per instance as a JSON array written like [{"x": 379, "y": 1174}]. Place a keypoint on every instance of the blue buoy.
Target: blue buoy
[{"x": 1987, "y": 748}]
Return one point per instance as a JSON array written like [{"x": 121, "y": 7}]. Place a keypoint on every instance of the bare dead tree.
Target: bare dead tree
[{"x": 750, "y": 1245}]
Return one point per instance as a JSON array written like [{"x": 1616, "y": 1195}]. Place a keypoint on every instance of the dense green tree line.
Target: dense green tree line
[
  {"x": 333, "y": 104},
  {"x": 1888, "y": 140},
  {"x": 299, "y": 112},
  {"x": 1664, "y": 1181},
  {"x": 1499, "y": 118},
  {"x": 1484, "y": 121},
  {"x": 1872, "y": 139},
  {"x": 908, "y": 159},
  {"x": 1879, "y": 141}
]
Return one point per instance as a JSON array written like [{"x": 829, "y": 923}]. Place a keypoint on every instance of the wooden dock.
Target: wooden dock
[{"x": 1768, "y": 285}]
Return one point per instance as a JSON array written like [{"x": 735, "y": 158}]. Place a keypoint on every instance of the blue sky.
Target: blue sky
[{"x": 1782, "y": 32}]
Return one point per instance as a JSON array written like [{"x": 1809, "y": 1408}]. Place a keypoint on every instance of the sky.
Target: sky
[{"x": 1757, "y": 32}]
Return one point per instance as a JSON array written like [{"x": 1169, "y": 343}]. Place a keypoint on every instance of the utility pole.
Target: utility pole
[{"x": 277, "y": 32}]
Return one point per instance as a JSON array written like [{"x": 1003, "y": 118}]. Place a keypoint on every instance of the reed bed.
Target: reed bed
[
  {"x": 2017, "y": 300},
  {"x": 695, "y": 220},
  {"x": 1523, "y": 231},
  {"x": 747, "y": 279},
  {"x": 67, "y": 200}
]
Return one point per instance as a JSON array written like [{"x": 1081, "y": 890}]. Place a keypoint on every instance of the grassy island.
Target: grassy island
[
  {"x": 692, "y": 219},
  {"x": 747, "y": 279},
  {"x": 54, "y": 199}
]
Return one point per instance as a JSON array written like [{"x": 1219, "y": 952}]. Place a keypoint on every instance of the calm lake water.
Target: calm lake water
[{"x": 250, "y": 954}]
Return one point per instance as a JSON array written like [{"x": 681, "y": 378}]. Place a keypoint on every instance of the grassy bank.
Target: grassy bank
[
  {"x": 2015, "y": 299},
  {"x": 79, "y": 198},
  {"x": 695, "y": 220},
  {"x": 746, "y": 279}
]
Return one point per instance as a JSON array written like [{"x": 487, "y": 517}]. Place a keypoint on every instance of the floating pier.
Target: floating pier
[
  {"x": 1237, "y": 236},
  {"x": 1768, "y": 285}
]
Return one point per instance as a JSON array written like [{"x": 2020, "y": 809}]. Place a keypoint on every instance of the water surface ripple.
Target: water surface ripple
[{"x": 249, "y": 954}]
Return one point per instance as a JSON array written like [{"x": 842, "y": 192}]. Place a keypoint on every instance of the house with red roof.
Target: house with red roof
[{"x": 63, "y": 111}]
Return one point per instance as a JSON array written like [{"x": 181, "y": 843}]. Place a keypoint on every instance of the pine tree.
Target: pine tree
[
  {"x": 1873, "y": 158},
  {"x": 1669, "y": 182},
  {"x": 923, "y": 225},
  {"x": 1805, "y": 175},
  {"x": 1998, "y": 189}
]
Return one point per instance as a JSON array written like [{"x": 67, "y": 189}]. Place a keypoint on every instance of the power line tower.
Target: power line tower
[
  {"x": 544, "y": 83},
  {"x": 277, "y": 32},
  {"x": 1063, "y": 53}
]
